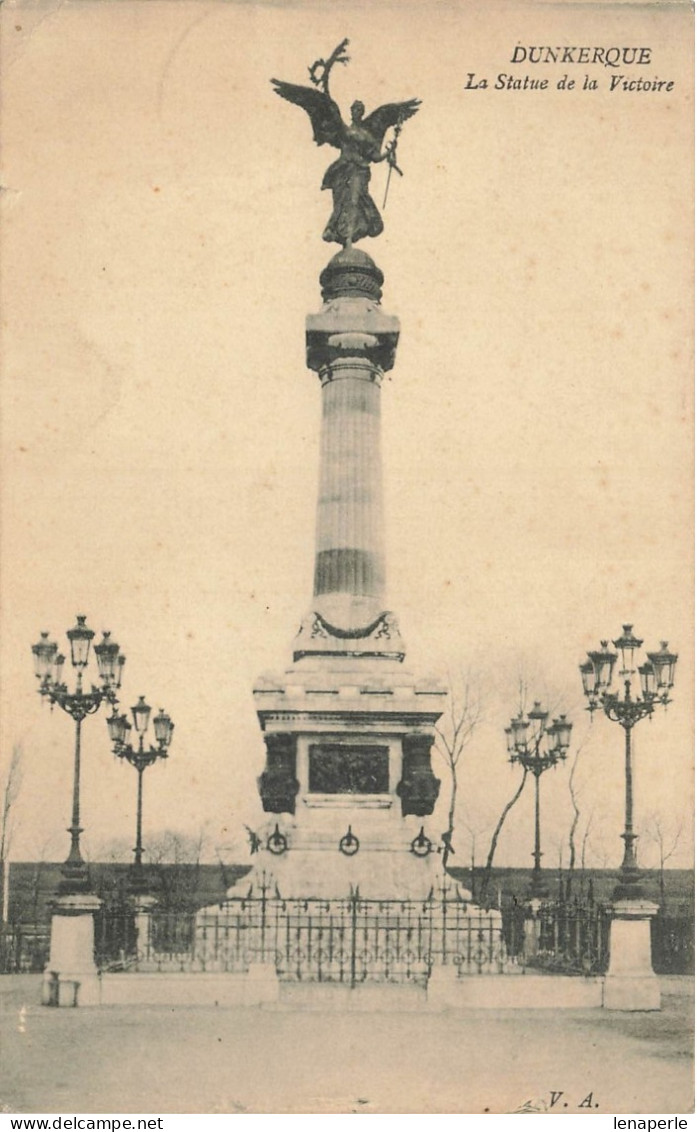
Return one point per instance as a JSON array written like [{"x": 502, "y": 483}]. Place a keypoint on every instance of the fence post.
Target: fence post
[
  {"x": 261, "y": 977},
  {"x": 263, "y": 917},
  {"x": 531, "y": 929},
  {"x": 71, "y": 977},
  {"x": 143, "y": 908},
  {"x": 630, "y": 983},
  {"x": 354, "y": 914}
]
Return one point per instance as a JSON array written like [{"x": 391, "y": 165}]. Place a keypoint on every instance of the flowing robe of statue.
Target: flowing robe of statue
[{"x": 355, "y": 213}]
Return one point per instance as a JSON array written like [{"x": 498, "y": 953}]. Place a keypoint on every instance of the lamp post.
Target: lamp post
[
  {"x": 48, "y": 664},
  {"x": 140, "y": 757},
  {"x": 656, "y": 677},
  {"x": 537, "y": 747}
]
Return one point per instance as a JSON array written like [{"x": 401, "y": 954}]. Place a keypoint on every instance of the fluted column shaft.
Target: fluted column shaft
[{"x": 349, "y": 579}]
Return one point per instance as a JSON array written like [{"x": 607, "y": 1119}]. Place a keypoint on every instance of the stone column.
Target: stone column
[
  {"x": 630, "y": 983},
  {"x": 71, "y": 977},
  {"x": 349, "y": 559},
  {"x": 350, "y": 344}
]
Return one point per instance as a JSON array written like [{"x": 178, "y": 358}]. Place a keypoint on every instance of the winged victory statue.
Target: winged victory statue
[{"x": 360, "y": 142}]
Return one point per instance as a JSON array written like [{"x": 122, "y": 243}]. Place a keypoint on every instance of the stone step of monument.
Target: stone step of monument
[{"x": 368, "y": 996}]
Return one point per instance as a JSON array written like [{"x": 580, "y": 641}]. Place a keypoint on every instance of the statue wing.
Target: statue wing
[
  {"x": 321, "y": 109},
  {"x": 389, "y": 115}
]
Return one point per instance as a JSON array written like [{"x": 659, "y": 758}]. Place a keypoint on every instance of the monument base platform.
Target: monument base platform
[{"x": 374, "y": 874}]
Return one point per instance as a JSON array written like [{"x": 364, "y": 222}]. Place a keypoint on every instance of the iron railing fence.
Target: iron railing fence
[
  {"x": 574, "y": 937},
  {"x": 24, "y": 948},
  {"x": 566, "y": 936},
  {"x": 349, "y": 941},
  {"x": 673, "y": 942},
  {"x": 354, "y": 940},
  {"x": 115, "y": 936}
]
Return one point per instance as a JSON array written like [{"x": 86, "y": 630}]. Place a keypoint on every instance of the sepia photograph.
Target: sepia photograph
[{"x": 346, "y": 571}]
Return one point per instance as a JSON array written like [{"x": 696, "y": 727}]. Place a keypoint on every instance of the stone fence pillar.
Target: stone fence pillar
[
  {"x": 631, "y": 983},
  {"x": 143, "y": 906},
  {"x": 71, "y": 977},
  {"x": 531, "y": 930}
]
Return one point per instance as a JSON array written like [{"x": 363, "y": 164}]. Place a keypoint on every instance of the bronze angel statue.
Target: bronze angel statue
[{"x": 355, "y": 214}]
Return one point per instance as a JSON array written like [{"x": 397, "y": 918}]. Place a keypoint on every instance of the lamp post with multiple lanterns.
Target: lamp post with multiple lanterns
[
  {"x": 656, "y": 676},
  {"x": 140, "y": 757},
  {"x": 537, "y": 747},
  {"x": 48, "y": 664}
]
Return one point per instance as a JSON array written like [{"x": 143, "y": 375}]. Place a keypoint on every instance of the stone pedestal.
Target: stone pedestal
[
  {"x": 630, "y": 983},
  {"x": 348, "y": 788},
  {"x": 71, "y": 977}
]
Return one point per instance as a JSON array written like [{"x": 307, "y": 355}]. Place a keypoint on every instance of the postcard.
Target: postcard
[{"x": 347, "y": 570}]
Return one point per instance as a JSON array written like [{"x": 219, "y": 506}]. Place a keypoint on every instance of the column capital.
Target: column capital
[
  {"x": 351, "y": 327},
  {"x": 351, "y": 322}
]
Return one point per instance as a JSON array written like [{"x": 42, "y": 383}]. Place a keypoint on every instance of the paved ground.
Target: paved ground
[{"x": 204, "y": 1059}]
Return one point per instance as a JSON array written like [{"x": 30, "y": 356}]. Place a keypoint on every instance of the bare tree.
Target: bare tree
[
  {"x": 486, "y": 879},
  {"x": 600, "y": 851},
  {"x": 182, "y": 854},
  {"x": 584, "y": 842},
  {"x": 175, "y": 848},
  {"x": 474, "y": 831},
  {"x": 10, "y": 793},
  {"x": 113, "y": 851},
  {"x": 667, "y": 841},
  {"x": 573, "y": 791},
  {"x": 453, "y": 733}
]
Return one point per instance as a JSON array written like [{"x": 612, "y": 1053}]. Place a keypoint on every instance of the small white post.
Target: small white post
[
  {"x": 143, "y": 906},
  {"x": 531, "y": 929}
]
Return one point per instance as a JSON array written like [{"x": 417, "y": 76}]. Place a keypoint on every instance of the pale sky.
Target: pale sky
[{"x": 162, "y": 246}]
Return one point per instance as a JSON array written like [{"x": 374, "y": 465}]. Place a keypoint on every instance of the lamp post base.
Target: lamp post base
[
  {"x": 628, "y": 890},
  {"x": 538, "y": 888},
  {"x": 139, "y": 883},
  {"x": 75, "y": 879},
  {"x": 630, "y": 983},
  {"x": 629, "y": 886},
  {"x": 71, "y": 976}
]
